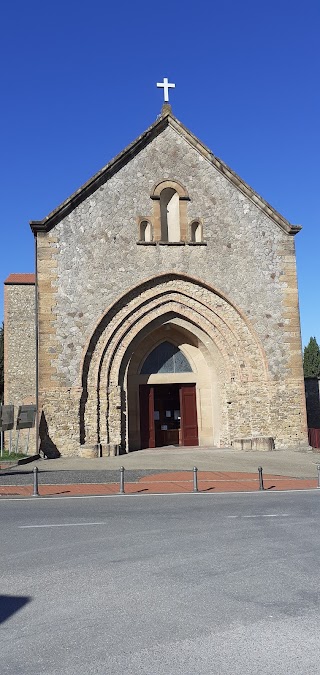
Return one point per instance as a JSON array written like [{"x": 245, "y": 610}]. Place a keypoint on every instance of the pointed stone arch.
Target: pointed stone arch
[{"x": 218, "y": 326}]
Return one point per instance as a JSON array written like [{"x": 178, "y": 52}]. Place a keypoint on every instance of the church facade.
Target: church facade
[{"x": 167, "y": 308}]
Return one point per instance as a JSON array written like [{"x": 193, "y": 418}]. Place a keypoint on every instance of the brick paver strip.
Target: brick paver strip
[{"x": 166, "y": 483}]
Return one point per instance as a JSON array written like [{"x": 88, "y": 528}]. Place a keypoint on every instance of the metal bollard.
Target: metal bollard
[
  {"x": 122, "y": 480},
  {"x": 195, "y": 479},
  {"x": 261, "y": 486},
  {"x": 318, "y": 469},
  {"x": 35, "y": 482}
]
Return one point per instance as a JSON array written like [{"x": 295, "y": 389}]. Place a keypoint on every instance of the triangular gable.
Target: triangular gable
[{"x": 166, "y": 119}]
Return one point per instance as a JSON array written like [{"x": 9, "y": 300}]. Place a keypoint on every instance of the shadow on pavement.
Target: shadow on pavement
[
  {"x": 9, "y": 604},
  {"x": 10, "y": 472}
]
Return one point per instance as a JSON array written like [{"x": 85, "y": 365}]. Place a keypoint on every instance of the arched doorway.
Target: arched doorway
[
  {"x": 228, "y": 366},
  {"x": 170, "y": 386},
  {"x": 168, "y": 412}
]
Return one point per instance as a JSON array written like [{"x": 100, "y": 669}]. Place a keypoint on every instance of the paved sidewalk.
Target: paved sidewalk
[
  {"x": 165, "y": 470},
  {"x": 166, "y": 483},
  {"x": 280, "y": 462}
]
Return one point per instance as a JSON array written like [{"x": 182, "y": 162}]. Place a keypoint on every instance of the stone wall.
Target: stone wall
[
  {"x": 20, "y": 348},
  {"x": 91, "y": 258}
]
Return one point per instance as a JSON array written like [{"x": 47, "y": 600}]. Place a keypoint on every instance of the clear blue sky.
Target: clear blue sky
[{"x": 78, "y": 83}]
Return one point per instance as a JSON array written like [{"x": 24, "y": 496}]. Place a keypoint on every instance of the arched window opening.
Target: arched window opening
[
  {"x": 166, "y": 358},
  {"x": 170, "y": 215},
  {"x": 195, "y": 231},
  {"x": 145, "y": 231}
]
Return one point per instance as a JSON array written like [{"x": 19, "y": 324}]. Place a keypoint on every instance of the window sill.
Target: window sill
[
  {"x": 171, "y": 243},
  {"x": 146, "y": 243},
  {"x": 196, "y": 243}
]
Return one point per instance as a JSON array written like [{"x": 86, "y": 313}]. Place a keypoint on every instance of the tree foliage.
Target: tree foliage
[
  {"x": 1, "y": 364},
  {"x": 311, "y": 359}
]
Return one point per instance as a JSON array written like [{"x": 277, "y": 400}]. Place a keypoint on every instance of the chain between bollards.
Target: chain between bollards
[
  {"x": 35, "y": 482},
  {"x": 261, "y": 486},
  {"x": 318, "y": 469},
  {"x": 195, "y": 479},
  {"x": 122, "y": 480}
]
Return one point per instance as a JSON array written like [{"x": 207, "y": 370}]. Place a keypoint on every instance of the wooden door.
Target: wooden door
[
  {"x": 188, "y": 407},
  {"x": 146, "y": 397}
]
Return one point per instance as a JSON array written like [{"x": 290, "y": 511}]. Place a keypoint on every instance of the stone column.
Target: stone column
[
  {"x": 88, "y": 424},
  {"x": 114, "y": 409}
]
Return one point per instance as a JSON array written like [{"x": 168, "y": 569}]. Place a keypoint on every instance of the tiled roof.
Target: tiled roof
[{"x": 21, "y": 279}]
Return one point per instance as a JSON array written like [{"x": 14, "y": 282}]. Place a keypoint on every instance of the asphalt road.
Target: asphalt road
[
  {"x": 161, "y": 585},
  {"x": 25, "y": 477}
]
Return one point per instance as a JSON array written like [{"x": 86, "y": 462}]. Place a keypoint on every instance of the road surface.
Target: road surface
[{"x": 161, "y": 585}]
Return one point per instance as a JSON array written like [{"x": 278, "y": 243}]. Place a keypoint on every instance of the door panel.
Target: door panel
[
  {"x": 146, "y": 397},
  {"x": 166, "y": 402},
  {"x": 188, "y": 407}
]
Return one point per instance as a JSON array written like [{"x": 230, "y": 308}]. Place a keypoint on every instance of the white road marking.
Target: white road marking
[
  {"x": 263, "y": 515},
  {"x": 31, "y": 527}
]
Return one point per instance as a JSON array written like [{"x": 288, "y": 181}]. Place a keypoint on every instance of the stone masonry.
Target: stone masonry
[
  {"x": 99, "y": 289},
  {"x": 20, "y": 347}
]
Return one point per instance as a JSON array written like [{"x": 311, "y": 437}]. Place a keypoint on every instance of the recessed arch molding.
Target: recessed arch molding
[{"x": 242, "y": 370}]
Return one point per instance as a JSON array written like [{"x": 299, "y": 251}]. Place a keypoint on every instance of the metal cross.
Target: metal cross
[{"x": 166, "y": 86}]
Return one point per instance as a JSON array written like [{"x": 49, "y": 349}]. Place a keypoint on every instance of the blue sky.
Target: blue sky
[{"x": 78, "y": 83}]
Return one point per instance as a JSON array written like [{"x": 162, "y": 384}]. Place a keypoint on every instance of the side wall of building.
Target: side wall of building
[{"x": 20, "y": 350}]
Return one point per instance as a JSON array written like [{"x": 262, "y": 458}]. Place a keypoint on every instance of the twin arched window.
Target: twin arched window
[{"x": 168, "y": 223}]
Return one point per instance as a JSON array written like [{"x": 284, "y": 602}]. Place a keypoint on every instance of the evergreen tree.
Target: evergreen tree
[
  {"x": 1, "y": 364},
  {"x": 311, "y": 359}
]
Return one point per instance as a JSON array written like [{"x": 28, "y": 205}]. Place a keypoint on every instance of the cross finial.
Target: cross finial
[{"x": 166, "y": 86}]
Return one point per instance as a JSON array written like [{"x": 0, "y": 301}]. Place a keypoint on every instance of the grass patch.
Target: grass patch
[{"x": 12, "y": 456}]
